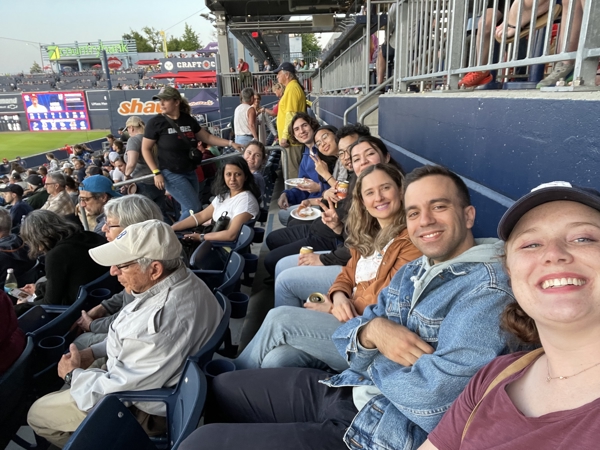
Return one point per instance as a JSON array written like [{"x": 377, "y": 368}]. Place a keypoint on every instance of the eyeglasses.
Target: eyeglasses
[
  {"x": 50, "y": 184},
  {"x": 126, "y": 265},
  {"x": 85, "y": 199},
  {"x": 341, "y": 153},
  {"x": 112, "y": 226},
  {"x": 319, "y": 143}
]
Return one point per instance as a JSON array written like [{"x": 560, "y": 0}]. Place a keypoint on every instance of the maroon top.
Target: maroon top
[
  {"x": 12, "y": 339},
  {"x": 499, "y": 425}
]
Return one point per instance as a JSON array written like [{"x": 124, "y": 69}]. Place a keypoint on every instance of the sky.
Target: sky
[{"x": 26, "y": 23}]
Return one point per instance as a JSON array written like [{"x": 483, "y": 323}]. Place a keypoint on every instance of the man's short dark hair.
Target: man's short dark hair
[
  {"x": 109, "y": 136},
  {"x": 353, "y": 128},
  {"x": 428, "y": 170}
]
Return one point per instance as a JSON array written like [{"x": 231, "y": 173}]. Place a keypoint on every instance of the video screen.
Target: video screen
[{"x": 56, "y": 111}]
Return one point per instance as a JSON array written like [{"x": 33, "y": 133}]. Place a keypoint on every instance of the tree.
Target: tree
[
  {"x": 154, "y": 38},
  {"x": 35, "y": 68},
  {"x": 174, "y": 44},
  {"x": 190, "y": 40},
  {"x": 140, "y": 41},
  {"x": 310, "y": 43}
]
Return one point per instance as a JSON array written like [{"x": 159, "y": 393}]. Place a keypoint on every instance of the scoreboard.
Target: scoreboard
[{"x": 56, "y": 111}]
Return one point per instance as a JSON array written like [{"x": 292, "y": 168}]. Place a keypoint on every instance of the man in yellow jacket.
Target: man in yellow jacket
[{"x": 292, "y": 102}]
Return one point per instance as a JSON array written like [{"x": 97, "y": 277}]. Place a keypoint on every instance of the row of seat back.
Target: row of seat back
[{"x": 185, "y": 405}]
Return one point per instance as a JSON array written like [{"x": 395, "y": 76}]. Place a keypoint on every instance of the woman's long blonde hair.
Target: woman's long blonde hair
[{"x": 365, "y": 235}]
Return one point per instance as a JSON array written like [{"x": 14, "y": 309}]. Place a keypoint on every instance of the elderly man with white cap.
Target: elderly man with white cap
[{"x": 172, "y": 316}]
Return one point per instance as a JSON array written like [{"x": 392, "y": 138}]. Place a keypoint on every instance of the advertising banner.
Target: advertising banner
[
  {"x": 176, "y": 65},
  {"x": 56, "y": 111},
  {"x": 11, "y": 103},
  {"x": 97, "y": 100},
  {"x": 124, "y": 104}
]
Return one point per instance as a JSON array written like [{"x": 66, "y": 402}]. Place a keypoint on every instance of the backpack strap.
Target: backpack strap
[{"x": 515, "y": 367}]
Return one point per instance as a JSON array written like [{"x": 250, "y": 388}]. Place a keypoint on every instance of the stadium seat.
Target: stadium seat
[
  {"x": 14, "y": 385},
  {"x": 205, "y": 354},
  {"x": 111, "y": 425}
]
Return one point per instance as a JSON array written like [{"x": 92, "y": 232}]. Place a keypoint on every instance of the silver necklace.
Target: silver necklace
[{"x": 549, "y": 378}]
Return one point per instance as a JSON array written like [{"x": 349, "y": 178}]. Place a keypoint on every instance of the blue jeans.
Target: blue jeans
[
  {"x": 291, "y": 286},
  {"x": 293, "y": 337},
  {"x": 184, "y": 188},
  {"x": 243, "y": 139}
]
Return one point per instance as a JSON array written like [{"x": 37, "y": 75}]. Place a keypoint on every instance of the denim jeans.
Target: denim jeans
[
  {"x": 293, "y": 337},
  {"x": 284, "y": 215},
  {"x": 184, "y": 188},
  {"x": 243, "y": 139},
  {"x": 291, "y": 287}
]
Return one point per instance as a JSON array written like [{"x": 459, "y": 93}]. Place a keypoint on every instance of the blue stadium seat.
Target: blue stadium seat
[
  {"x": 205, "y": 354},
  {"x": 111, "y": 425}
]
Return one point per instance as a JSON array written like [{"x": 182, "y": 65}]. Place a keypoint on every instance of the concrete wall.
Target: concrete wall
[
  {"x": 331, "y": 109},
  {"x": 503, "y": 144}
]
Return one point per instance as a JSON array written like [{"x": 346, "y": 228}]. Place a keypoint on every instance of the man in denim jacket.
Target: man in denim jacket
[{"x": 410, "y": 355}]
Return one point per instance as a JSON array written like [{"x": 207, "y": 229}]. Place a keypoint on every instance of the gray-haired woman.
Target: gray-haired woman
[
  {"x": 68, "y": 264},
  {"x": 120, "y": 213}
]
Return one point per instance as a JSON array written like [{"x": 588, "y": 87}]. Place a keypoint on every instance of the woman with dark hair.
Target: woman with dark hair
[
  {"x": 68, "y": 263},
  {"x": 255, "y": 155},
  {"x": 175, "y": 171},
  {"x": 547, "y": 398},
  {"x": 379, "y": 244},
  {"x": 236, "y": 196}
]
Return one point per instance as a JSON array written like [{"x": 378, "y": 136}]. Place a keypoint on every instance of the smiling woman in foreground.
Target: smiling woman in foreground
[{"x": 548, "y": 398}]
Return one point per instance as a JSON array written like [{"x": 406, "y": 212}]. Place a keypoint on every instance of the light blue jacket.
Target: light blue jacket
[{"x": 455, "y": 307}]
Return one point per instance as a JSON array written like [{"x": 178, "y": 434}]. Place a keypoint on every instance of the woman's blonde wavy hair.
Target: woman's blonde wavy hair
[{"x": 365, "y": 235}]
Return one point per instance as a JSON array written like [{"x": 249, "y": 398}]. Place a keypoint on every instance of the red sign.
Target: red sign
[{"x": 114, "y": 63}]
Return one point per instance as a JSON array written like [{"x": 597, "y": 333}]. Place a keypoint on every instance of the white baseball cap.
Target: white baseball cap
[{"x": 151, "y": 239}]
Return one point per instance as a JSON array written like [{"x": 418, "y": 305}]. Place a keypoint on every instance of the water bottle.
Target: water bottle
[{"x": 11, "y": 281}]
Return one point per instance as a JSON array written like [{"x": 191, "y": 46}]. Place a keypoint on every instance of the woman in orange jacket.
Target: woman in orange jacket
[{"x": 377, "y": 238}]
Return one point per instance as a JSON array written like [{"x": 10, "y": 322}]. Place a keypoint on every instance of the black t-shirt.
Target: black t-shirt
[{"x": 173, "y": 152}]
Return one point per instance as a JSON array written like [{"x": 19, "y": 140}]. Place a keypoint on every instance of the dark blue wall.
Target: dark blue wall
[
  {"x": 503, "y": 147},
  {"x": 331, "y": 109}
]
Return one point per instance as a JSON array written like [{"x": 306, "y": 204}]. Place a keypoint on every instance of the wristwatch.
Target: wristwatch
[
  {"x": 68, "y": 378},
  {"x": 202, "y": 237}
]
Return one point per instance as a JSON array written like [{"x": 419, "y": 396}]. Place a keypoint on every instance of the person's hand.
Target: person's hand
[
  {"x": 193, "y": 237},
  {"x": 29, "y": 288},
  {"x": 282, "y": 202},
  {"x": 159, "y": 181},
  {"x": 343, "y": 308},
  {"x": 123, "y": 190},
  {"x": 330, "y": 217},
  {"x": 324, "y": 307},
  {"x": 396, "y": 342},
  {"x": 309, "y": 259},
  {"x": 84, "y": 321},
  {"x": 284, "y": 142},
  {"x": 331, "y": 195},
  {"x": 238, "y": 147},
  {"x": 320, "y": 166},
  {"x": 309, "y": 186},
  {"x": 69, "y": 362}
]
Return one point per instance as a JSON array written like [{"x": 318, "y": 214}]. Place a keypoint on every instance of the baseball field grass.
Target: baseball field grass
[{"x": 30, "y": 143}]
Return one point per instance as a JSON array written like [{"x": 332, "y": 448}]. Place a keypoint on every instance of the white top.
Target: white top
[
  {"x": 240, "y": 120},
  {"x": 117, "y": 176},
  {"x": 366, "y": 268},
  {"x": 241, "y": 203}
]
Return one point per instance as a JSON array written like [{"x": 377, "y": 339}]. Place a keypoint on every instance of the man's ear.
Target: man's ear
[
  {"x": 470, "y": 216},
  {"x": 156, "y": 270}
]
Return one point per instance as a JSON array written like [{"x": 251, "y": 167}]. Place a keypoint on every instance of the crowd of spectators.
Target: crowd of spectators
[{"x": 387, "y": 311}]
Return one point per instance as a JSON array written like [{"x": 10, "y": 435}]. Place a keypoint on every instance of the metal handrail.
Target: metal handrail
[{"x": 367, "y": 97}]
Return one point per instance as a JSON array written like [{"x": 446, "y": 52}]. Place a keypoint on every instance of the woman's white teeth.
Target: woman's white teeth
[{"x": 559, "y": 282}]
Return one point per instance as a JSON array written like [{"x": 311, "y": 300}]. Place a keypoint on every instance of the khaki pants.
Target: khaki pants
[
  {"x": 294, "y": 154},
  {"x": 55, "y": 417}
]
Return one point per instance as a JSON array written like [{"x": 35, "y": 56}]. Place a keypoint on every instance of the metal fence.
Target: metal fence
[
  {"x": 263, "y": 82},
  {"x": 345, "y": 72},
  {"x": 440, "y": 41}
]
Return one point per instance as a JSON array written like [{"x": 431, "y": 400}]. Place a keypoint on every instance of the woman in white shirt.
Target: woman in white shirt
[{"x": 236, "y": 195}]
